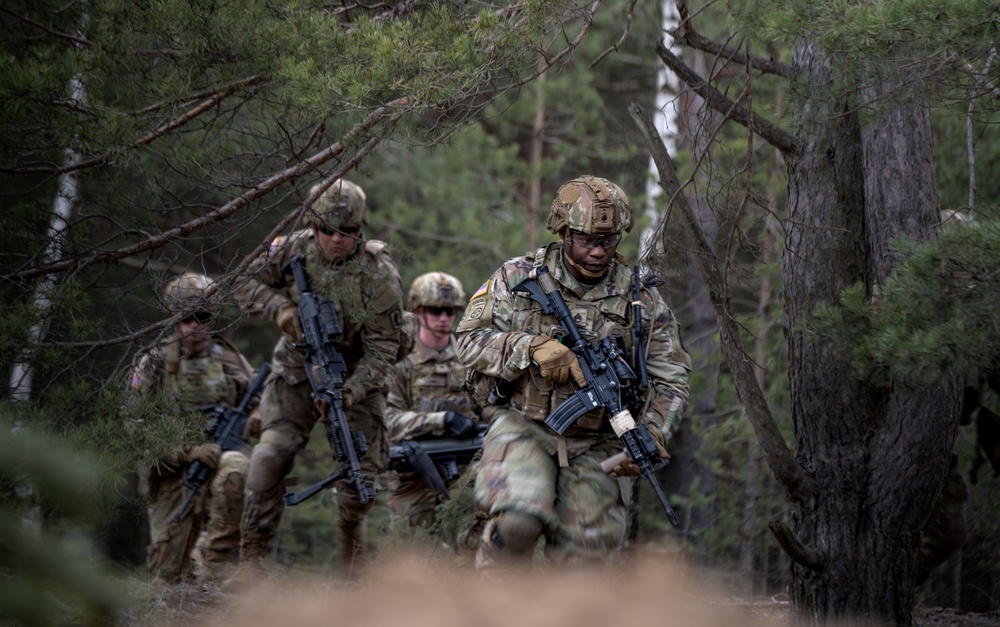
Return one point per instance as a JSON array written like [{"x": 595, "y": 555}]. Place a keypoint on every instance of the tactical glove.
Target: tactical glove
[
  {"x": 625, "y": 467},
  {"x": 287, "y": 318},
  {"x": 347, "y": 398},
  {"x": 208, "y": 454},
  {"x": 346, "y": 401},
  {"x": 459, "y": 425},
  {"x": 556, "y": 361}
]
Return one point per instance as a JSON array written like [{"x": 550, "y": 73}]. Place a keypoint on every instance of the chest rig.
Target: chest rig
[
  {"x": 438, "y": 385},
  {"x": 197, "y": 381},
  {"x": 602, "y": 311}
]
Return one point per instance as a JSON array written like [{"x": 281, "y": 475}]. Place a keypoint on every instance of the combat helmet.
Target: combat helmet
[
  {"x": 590, "y": 204},
  {"x": 435, "y": 289},
  {"x": 342, "y": 206},
  {"x": 186, "y": 294}
]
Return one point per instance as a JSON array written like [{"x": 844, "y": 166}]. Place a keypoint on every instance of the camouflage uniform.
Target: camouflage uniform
[
  {"x": 190, "y": 381},
  {"x": 528, "y": 470},
  {"x": 426, "y": 385},
  {"x": 365, "y": 288}
]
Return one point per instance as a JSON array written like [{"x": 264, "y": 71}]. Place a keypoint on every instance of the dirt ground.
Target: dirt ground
[{"x": 415, "y": 592}]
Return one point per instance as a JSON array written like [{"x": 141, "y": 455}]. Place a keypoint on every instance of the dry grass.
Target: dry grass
[{"x": 414, "y": 591}]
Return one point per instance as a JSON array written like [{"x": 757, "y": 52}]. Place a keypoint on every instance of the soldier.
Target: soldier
[
  {"x": 361, "y": 281},
  {"x": 532, "y": 481},
  {"x": 194, "y": 370},
  {"x": 427, "y": 398}
]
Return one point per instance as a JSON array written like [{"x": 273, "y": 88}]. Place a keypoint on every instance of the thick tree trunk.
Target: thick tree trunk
[{"x": 878, "y": 455}]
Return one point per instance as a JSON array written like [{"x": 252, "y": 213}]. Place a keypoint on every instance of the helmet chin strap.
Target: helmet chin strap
[{"x": 585, "y": 272}]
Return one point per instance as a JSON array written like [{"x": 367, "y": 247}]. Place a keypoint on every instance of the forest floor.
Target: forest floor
[{"x": 415, "y": 592}]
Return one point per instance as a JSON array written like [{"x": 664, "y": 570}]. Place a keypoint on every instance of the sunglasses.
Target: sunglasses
[
  {"x": 201, "y": 317},
  {"x": 606, "y": 240},
  {"x": 325, "y": 229},
  {"x": 439, "y": 311}
]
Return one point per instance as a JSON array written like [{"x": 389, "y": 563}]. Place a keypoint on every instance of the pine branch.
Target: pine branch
[
  {"x": 215, "y": 98},
  {"x": 618, "y": 44},
  {"x": 800, "y": 553},
  {"x": 771, "y": 133},
  {"x": 79, "y": 41},
  {"x": 688, "y": 36},
  {"x": 224, "y": 211},
  {"x": 780, "y": 458}
]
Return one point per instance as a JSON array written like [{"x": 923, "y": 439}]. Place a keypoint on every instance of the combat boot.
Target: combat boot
[{"x": 251, "y": 568}]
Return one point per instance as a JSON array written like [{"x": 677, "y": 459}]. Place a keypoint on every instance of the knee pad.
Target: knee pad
[
  {"x": 515, "y": 532},
  {"x": 268, "y": 468}
]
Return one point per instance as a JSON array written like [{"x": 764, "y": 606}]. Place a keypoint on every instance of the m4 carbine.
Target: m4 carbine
[
  {"x": 436, "y": 460},
  {"x": 609, "y": 379},
  {"x": 325, "y": 367},
  {"x": 225, "y": 428}
]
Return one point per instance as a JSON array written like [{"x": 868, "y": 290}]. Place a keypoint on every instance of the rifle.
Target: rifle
[
  {"x": 225, "y": 428},
  {"x": 609, "y": 378},
  {"x": 640, "y": 331},
  {"x": 436, "y": 461},
  {"x": 325, "y": 368}
]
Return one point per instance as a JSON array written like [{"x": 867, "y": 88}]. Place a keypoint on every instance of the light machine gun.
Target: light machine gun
[
  {"x": 436, "y": 460},
  {"x": 225, "y": 428},
  {"x": 609, "y": 379},
  {"x": 325, "y": 368}
]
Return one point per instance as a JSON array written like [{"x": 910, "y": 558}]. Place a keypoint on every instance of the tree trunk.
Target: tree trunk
[
  {"x": 537, "y": 152},
  {"x": 878, "y": 455}
]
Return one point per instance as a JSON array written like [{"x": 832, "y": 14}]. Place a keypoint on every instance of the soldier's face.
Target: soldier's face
[
  {"x": 336, "y": 244},
  {"x": 594, "y": 253},
  {"x": 439, "y": 321},
  {"x": 195, "y": 331}
]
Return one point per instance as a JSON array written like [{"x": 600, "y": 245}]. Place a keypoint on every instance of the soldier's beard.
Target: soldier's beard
[{"x": 584, "y": 271}]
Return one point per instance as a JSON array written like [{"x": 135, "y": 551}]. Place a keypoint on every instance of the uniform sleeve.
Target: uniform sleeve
[
  {"x": 381, "y": 333},
  {"x": 262, "y": 289},
  {"x": 402, "y": 421},
  {"x": 147, "y": 381},
  {"x": 147, "y": 375},
  {"x": 668, "y": 366},
  {"x": 485, "y": 342}
]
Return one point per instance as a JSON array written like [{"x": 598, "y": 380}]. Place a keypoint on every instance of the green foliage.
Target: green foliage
[
  {"x": 952, "y": 156},
  {"x": 937, "y": 319},
  {"x": 49, "y": 576},
  {"x": 866, "y": 30}
]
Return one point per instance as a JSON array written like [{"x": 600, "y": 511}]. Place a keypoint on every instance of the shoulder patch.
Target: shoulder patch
[
  {"x": 481, "y": 291},
  {"x": 136, "y": 380},
  {"x": 276, "y": 245},
  {"x": 374, "y": 246}
]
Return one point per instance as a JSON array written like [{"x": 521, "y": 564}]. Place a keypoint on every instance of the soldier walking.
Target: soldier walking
[
  {"x": 533, "y": 481},
  {"x": 427, "y": 397},
  {"x": 194, "y": 370},
  {"x": 359, "y": 278}
]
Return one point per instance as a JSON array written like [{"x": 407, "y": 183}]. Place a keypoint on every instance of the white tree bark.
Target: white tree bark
[
  {"x": 665, "y": 120},
  {"x": 67, "y": 195}
]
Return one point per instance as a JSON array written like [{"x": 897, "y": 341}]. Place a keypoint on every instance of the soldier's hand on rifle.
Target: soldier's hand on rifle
[
  {"x": 346, "y": 400},
  {"x": 459, "y": 425},
  {"x": 347, "y": 397},
  {"x": 209, "y": 454},
  {"x": 556, "y": 361},
  {"x": 287, "y": 318},
  {"x": 625, "y": 467}
]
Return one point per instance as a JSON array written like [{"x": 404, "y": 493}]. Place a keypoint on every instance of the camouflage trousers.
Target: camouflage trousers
[
  {"x": 205, "y": 542},
  {"x": 581, "y": 508},
  {"x": 287, "y": 418}
]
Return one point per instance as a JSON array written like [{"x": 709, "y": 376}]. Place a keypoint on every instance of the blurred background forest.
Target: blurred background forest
[{"x": 138, "y": 141}]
